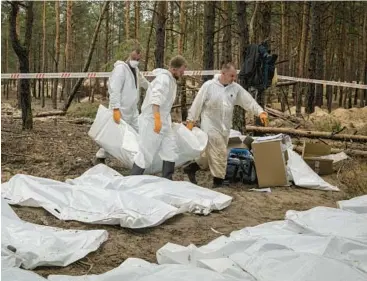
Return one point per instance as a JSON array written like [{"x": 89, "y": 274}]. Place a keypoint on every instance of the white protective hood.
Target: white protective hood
[
  {"x": 124, "y": 94},
  {"x": 162, "y": 92}
]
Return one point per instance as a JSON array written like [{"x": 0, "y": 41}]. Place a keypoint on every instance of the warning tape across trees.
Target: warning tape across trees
[{"x": 150, "y": 74}]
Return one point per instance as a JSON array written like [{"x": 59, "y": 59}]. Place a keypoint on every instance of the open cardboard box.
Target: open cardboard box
[
  {"x": 311, "y": 153},
  {"x": 270, "y": 163}
]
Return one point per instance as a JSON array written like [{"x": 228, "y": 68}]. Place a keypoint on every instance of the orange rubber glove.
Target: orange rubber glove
[
  {"x": 157, "y": 122},
  {"x": 117, "y": 115},
  {"x": 190, "y": 125},
  {"x": 264, "y": 119}
]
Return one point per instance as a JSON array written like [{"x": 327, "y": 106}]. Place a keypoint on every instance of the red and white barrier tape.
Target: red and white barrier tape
[{"x": 150, "y": 74}]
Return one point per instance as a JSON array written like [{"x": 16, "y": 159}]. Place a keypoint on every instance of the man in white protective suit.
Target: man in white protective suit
[
  {"x": 215, "y": 103},
  {"x": 155, "y": 125},
  {"x": 123, "y": 88}
]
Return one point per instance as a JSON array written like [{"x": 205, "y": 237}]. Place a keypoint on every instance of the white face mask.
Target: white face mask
[{"x": 134, "y": 63}]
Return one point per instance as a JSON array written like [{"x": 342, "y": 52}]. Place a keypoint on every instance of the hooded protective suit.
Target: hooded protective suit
[
  {"x": 215, "y": 104},
  {"x": 124, "y": 94},
  {"x": 162, "y": 92}
]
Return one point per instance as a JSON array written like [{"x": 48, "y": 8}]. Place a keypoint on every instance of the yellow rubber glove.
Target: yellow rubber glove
[
  {"x": 190, "y": 125},
  {"x": 157, "y": 122},
  {"x": 264, "y": 118},
  {"x": 117, "y": 115}
]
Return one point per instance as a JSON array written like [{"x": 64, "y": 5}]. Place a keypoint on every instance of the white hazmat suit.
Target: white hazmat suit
[
  {"x": 162, "y": 92},
  {"x": 215, "y": 104},
  {"x": 124, "y": 94}
]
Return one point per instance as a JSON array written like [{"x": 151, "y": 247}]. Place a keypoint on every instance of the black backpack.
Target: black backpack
[
  {"x": 258, "y": 67},
  {"x": 240, "y": 167}
]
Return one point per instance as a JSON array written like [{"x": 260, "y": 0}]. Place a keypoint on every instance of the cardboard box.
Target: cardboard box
[
  {"x": 311, "y": 153},
  {"x": 270, "y": 163},
  {"x": 236, "y": 142}
]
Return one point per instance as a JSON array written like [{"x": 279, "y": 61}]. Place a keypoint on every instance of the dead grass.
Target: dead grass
[
  {"x": 83, "y": 110},
  {"x": 327, "y": 124},
  {"x": 353, "y": 174}
]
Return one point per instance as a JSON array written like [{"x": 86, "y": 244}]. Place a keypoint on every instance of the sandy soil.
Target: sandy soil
[{"x": 59, "y": 150}]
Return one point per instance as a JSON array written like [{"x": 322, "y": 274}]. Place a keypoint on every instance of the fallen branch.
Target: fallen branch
[
  {"x": 351, "y": 152},
  {"x": 50, "y": 113},
  {"x": 45, "y": 114},
  {"x": 81, "y": 120},
  {"x": 339, "y": 131},
  {"x": 309, "y": 134},
  {"x": 281, "y": 115}
]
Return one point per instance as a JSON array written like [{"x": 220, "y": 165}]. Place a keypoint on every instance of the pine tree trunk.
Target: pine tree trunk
[
  {"x": 209, "y": 24},
  {"x": 147, "y": 51},
  {"x": 127, "y": 19},
  {"x": 68, "y": 47},
  {"x": 107, "y": 34},
  {"x": 39, "y": 81},
  {"x": 57, "y": 54},
  {"x": 284, "y": 32},
  {"x": 195, "y": 33},
  {"x": 226, "y": 55},
  {"x": 120, "y": 15},
  {"x": 180, "y": 46},
  {"x": 171, "y": 37},
  {"x": 265, "y": 20},
  {"x": 34, "y": 83},
  {"x": 342, "y": 60},
  {"x": 252, "y": 24},
  {"x": 160, "y": 34},
  {"x": 43, "y": 53},
  {"x": 182, "y": 28},
  {"x": 22, "y": 51},
  {"x": 363, "y": 69},
  {"x": 319, "y": 52},
  {"x": 239, "y": 115},
  {"x": 315, "y": 59},
  {"x": 7, "y": 63},
  {"x": 18, "y": 82},
  {"x": 241, "y": 7},
  {"x": 217, "y": 44},
  {"x": 329, "y": 92},
  {"x": 137, "y": 18},
  {"x": 302, "y": 54},
  {"x": 185, "y": 36}
]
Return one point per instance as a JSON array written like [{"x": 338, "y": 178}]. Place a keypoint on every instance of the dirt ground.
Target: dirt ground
[{"x": 59, "y": 149}]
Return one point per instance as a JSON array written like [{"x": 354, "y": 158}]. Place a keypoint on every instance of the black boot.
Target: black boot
[
  {"x": 168, "y": 169},
  {"x": 218, "y": 182},
  {"x": 136, "y": 170},
  {"x": 191, "y": 170}
]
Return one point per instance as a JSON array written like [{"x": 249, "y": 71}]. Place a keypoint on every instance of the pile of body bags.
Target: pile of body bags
[{"x": 318, "y": 244}]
